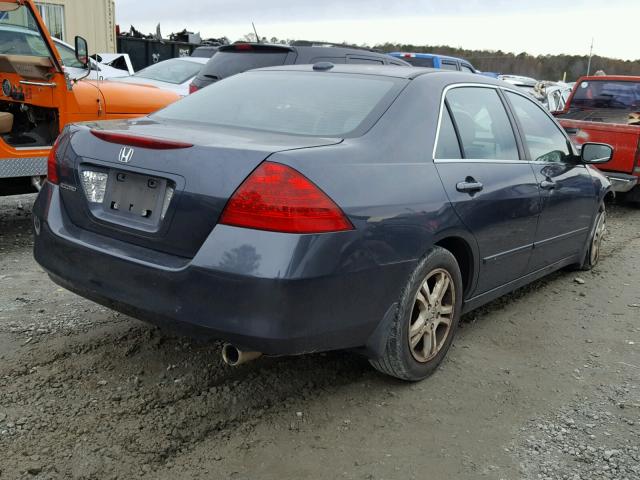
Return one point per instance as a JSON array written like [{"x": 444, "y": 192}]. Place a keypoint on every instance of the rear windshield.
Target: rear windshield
[
  {"x": 174, "y": 71},
  {"x": 420, "y": 62},
  {"x": 297, "y": 103},
  {"x": 225, "y": 64},
  {"x": 607, "y": 94},
  {"x": 204, "y": 52}
]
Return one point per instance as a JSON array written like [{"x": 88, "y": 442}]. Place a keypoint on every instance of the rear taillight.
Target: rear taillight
[
  {"x": 193, "y": 88},
  {"x": 243, "y": 46},
  {"x": 137, "y": 141},
  {"x": 52, "y": 163},
  {"x": 278, "y": 198}
]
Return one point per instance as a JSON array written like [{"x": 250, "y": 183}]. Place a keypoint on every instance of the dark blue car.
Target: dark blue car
[{"x": 306, "y": 208}]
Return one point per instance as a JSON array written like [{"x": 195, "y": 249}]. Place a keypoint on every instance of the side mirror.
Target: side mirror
[
  {"x": 82, "y": 51},
  {"x": 596, "y": 153}
]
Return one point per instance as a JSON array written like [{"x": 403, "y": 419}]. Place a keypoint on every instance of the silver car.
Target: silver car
[{"x": 174, "y": 74}]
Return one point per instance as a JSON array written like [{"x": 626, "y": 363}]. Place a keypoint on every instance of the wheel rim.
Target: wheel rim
[
  {"x": 598, "y": 235},
  {"x": 432, "y": 315}
]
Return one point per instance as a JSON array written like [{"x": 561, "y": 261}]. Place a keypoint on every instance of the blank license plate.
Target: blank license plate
[{"x": 135, "y": 195}]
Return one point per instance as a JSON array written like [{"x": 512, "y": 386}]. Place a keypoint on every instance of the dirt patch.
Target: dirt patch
[{"x": 88, "y": 393}]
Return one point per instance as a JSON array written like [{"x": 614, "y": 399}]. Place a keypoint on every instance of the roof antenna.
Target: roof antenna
[{"x": 256, "y": 32}]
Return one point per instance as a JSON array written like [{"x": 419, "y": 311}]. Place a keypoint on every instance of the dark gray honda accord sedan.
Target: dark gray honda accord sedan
[{"x": 317, "y": 207}]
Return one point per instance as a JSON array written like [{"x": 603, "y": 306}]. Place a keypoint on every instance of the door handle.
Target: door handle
[
  {"x": 547, "y": 185},
  {"x": 469, "y": 186}
]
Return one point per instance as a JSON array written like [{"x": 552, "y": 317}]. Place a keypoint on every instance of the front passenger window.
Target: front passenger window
[{"x": 545, "y": 140}]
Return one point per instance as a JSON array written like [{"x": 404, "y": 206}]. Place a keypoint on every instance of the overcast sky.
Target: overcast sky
[{"x": 534, "y": 26}]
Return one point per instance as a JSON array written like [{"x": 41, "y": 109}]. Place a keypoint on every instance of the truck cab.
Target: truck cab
[
  {"x": 37, "y": 97},
  {"x": 606, "y": 109}
]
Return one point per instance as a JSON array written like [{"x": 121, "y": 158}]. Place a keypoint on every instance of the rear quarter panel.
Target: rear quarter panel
[{"x": 387, "y": 184}]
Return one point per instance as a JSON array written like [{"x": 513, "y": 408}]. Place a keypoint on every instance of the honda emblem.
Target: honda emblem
[{"x": 126, "y": 154}]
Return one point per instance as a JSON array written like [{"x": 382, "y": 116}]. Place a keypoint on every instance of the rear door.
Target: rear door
[
  {"x": 567, "y": 190},
  {"x": 494, "y": 192}
]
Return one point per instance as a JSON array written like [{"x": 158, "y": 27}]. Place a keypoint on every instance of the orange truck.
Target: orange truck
[{"x": 38, "y": 98}]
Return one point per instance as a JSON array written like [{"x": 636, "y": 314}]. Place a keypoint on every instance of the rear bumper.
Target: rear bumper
[
  {"x": 240, "y": 287},
  {"x": 621, "y": 182},
  {"x": 23, "y": 167}
]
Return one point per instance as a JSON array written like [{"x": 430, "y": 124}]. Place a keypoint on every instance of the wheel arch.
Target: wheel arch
[
  {"x": 609, "y": 195},
  {"x": 461, "y": 248}
]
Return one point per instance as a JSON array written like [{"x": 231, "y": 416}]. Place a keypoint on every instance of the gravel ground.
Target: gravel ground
[{"x": 542, "y": 384}]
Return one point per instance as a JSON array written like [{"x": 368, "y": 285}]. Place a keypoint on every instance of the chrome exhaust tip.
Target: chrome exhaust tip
[{"x": 233, "y": 356}]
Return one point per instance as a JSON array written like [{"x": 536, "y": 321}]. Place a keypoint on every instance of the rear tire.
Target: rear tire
[
  {"x": 426, "y": 320},
  {"x": 598, "y": 232}
]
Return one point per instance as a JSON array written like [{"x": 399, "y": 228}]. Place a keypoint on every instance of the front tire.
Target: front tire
[
  {"x": 595, "y": 240},
  {"x": 426, "y": 320}
]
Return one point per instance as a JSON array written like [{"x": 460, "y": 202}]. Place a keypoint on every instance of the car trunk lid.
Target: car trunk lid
[{"x": 165, "y": 199}]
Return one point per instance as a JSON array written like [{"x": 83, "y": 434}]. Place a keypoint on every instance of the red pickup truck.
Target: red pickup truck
[{"x": 606, "y": 109}]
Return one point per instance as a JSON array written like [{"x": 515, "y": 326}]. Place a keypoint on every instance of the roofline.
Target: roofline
[
  {"x": 304, "y": 44},
  {"x": 400, "y": 54},
  {"x": 407, "y": 73}
]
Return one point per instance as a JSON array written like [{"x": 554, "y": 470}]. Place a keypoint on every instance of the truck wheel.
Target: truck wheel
[
  {"x": 595, "y": 240},
  {"x": 632, "y": 197},
  {"x": 426, "y": 319}
]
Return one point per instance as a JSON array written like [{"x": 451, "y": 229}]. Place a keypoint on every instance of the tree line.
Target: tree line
[{"x": 542, "y": 67}]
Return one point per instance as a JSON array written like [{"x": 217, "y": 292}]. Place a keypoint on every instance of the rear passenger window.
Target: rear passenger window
[
  {"x": 449, "y": 66},
  {"x": 448, "y": 146},
  {"x": 544, "y": 139},
  {"x": 482, "y": 121}
]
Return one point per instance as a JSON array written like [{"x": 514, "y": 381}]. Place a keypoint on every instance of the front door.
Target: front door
[
  {"x": 566, "y": 188},
  {"x": 492, "y": 190}
]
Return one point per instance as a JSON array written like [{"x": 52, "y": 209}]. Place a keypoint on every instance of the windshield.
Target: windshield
[
  {"x": 607, "y": 94},
  {"x": 174, "y": 71},
  {"x": 19, "y": 34},
  {"x": 225, "y": 64},
  {"x": 298, "y": 103}
]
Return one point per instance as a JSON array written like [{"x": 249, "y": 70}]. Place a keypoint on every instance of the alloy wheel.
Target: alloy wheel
[
  {"x": 432, "y": 315},
  {"x": 598, "y": 235}
]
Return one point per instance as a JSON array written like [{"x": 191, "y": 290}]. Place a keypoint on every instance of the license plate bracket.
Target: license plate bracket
[{"x": 138, "y": 198}]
